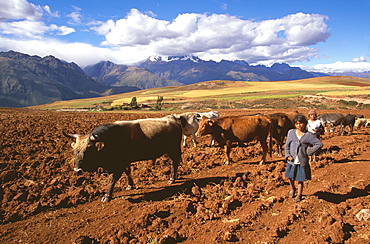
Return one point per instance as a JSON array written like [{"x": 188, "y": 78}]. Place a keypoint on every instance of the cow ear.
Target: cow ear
[{"x": 99, "y": 145}]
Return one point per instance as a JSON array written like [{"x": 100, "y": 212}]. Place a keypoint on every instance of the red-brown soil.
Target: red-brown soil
[{"x": 43, "y": 201}]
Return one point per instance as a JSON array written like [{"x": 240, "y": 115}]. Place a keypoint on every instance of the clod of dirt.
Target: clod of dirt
[{"x": 364, "y": 214}]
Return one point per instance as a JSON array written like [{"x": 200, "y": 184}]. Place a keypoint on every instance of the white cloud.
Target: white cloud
[
  {"x": 19, "y": 18},
  {"x": 360, "y": 59},
  {"x": 81, "y": 53},
  {"x": 62, "y": 30},
  {"x": 217, "y": 36},
  {"x": 19, "y": 9},
  {"x": 339, "y": 67},
  {"x": 140, "y": 35},
  {"x": 76, "y": 16},
  {"x": 50, "y": 13},
  {"x": 32, "y": 29}
]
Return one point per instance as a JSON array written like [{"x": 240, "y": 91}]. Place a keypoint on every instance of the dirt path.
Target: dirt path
[{"x": 42, "y": 201}]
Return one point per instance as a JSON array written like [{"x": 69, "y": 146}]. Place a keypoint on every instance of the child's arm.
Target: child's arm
[{"x": 316, "y": 145}]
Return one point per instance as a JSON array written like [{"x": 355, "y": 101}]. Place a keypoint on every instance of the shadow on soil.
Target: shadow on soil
[
  {"x": 338, "y": 198},
  {"x": 172, "y": 191}
]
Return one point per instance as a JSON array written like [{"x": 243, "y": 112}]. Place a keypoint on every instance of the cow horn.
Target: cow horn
[
  {"x": 70, "y": 135},
  {"x": 94, "y": 137}
]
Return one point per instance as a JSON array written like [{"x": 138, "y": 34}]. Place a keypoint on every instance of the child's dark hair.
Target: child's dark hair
[{"x": 300, "y": 118}]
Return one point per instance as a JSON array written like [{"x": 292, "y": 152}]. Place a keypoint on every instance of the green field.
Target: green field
[{"x": 213, "y": 92}]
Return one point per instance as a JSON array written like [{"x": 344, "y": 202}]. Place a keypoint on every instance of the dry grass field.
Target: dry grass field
[{"x": 231, "y": 94}]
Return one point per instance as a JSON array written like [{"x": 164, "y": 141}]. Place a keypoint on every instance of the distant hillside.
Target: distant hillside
[
  {"x": 191, "y": 69},
  {"x": 31, "y": 80},
  {"x": 219, "y": 94},
  {"x": 111, "y": 74}
]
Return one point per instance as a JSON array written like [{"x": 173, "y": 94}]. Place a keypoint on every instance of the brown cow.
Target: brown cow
[
  {"x": 227, "y": 130},
  {"x": 281, "y": 124},
  {"x": 115, "y": 145}
]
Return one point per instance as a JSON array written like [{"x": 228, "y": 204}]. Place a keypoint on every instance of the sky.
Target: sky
[{"x": 316, "y": 35}]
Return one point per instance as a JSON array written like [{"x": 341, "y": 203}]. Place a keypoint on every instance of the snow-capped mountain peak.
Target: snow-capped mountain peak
[{"x": 157, "y": 58}]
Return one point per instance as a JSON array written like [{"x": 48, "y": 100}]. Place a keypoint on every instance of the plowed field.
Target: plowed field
[{"x": 43, "y": 201}]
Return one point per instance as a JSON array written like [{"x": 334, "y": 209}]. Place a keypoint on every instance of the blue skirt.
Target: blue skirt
[{"x": 298, "y": 172}]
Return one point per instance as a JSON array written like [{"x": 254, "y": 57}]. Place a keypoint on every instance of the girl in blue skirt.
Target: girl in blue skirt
[{"x": 300, "y": 144}]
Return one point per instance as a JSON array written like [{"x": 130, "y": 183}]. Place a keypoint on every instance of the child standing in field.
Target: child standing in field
[
  {"x": 300, "y": 144},
  {"x": 314, "y": 126}
]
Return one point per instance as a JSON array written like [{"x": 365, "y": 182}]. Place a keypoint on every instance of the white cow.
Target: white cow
[
  {"x": 190, "y": 124},
  {"x": 362, "y": 122},
  {"x": 209, "y": 115}
]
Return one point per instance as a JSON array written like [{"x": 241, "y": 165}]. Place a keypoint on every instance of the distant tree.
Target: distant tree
[
  {"x": 133, "y": 103},
  {"x": 160, "y": 103}
]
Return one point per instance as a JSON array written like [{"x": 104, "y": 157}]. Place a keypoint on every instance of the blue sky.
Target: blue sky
[{"x": 320, "y": 35}]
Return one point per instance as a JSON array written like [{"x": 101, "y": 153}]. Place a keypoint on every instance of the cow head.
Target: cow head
[
  {"x": 86, "y": 150},
  {"x": 205, "y": 127}
]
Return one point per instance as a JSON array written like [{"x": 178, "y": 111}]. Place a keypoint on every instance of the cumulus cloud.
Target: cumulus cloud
[
  {"x": 81, "y": 53},
  {"x": 19, "y": 9},
  {"x": 19, "y": 18},
  {"x": 360, "y": 59},
  {"x": 139, "y": 35},
  {"x": 217, "y": 36}
]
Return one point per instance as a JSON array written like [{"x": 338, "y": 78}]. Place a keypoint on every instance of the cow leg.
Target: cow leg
[
  {"x": 227, "y": 148},
  {"x": 184, "y": 141},
  {"x": 108, "y": 195},
  {"x": 325, "y": 127},
  {"x": 130, "y": 182},
  {"x": 212, "y": 143},
  {"x": 194, "y": 139},
  {"x": 350, "y": 129},
  {"x": 264, "y": 151},
  {"x": 280, "y": 150},
  {"x": 279, "y": 145},
  {"x": 176, "y": 159},
  {"x": 342, "y": 129}
]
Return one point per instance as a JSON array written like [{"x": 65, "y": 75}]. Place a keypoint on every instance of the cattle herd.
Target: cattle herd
[{"x": 116, "y": 145}]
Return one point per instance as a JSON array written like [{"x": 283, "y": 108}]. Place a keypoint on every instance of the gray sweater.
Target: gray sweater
[{"x": 306, "y": 146}]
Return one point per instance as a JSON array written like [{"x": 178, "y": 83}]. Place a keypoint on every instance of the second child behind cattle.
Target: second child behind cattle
[
  {"x": 314, "y": 126},
  {"x": 299, "y": 146}
]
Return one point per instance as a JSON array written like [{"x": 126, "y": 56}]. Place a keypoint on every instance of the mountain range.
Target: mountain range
[
  {"x": 27, "y": 80},
  {"x": 110, "y": 74},
  {"x": 191, "y": 69},
  {"x": 31, "y": 80}
]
